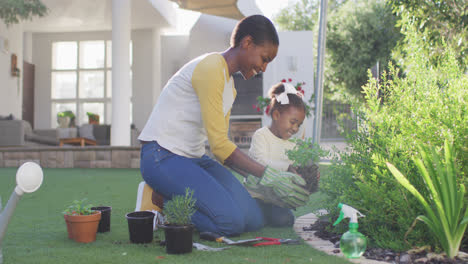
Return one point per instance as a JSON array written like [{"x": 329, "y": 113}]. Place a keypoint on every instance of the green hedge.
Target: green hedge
[{"x": 425, "y": 104}]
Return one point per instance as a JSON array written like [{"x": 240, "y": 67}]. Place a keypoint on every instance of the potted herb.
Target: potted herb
[
  {"x": 178, "y": 228},
  {"x": 305, "y": 156},
  {"x": 66, "y": 119},
  {"x": 93, "y": 118},
  {"x": 82, "y": 222}
]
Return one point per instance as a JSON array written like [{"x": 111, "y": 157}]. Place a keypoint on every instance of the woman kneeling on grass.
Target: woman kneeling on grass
[{"x": 194, "y": 106}]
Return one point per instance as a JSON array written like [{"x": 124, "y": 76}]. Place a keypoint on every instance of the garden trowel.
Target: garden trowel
[{"x": 215, "y": 237}]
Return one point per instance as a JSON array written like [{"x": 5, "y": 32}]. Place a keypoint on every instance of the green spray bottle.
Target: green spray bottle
[{"x": 352, "y": 243}]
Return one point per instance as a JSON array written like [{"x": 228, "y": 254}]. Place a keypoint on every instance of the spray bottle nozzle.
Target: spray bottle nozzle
[{"x": 348, "y": 211}]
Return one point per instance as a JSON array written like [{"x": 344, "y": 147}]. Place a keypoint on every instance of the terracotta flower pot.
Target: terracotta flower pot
[
  {"x": 83, "y": 227},
  {"x": 69, "y": 229}
]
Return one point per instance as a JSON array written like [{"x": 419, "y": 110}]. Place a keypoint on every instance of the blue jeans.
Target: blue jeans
[{"x": 223, "y": 205}]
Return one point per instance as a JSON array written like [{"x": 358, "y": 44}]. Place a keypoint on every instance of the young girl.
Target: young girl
[{"x": 269, "y": 145}]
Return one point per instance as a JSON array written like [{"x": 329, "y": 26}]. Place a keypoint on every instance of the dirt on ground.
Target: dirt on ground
[{"x": 421, "y": 255}]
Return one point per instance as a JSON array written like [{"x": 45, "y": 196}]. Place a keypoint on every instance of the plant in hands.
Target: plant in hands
[
  {"x": 305, "y": 156},
  {"x": 444, "y": 204},
  {"x": 78, "y": 207},
  {"x": 180, "y": 209}
]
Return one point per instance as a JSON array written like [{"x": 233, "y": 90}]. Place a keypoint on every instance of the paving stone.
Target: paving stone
[
  {"x": 31, "y": 155},
  {"x": 86, "y": 155},
  {"x": 103, "y": 155},
  {"x": 13, "y": 155},
  {"x": 135, "y": 163},
  {"x": 37, "y": 161},
  {"x": 135, "y": 154},
  {"x": 82, "y": 164},
  {"x": 100, "y": 164},
  {"x": 48, "y": 159},
  {"x": 11, "y": 163},
  {"x": 65, "y": 159},
  {"x": 120, "y": 159}
]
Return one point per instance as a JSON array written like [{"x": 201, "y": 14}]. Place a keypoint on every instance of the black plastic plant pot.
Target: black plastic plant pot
[
  {"x": 178, "y": 239},
  {"x": 104, "y": 223},
  {"x": 140, "y": 226}
]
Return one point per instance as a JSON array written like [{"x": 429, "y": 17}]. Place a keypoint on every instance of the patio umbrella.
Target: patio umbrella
[{"x": 224, "y": 8}]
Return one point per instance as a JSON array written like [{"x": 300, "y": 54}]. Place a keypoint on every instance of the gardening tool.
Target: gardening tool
[
  {"x": 352, "y": 243},
  {"x": 210, "y": 236},
  {"x": 277, "y": 241},
  {"x": 28, "y": 179},
  {"x": 207, "y": 248}
]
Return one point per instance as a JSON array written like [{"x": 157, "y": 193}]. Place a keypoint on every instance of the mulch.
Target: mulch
[{"x": 412, "y": 256}]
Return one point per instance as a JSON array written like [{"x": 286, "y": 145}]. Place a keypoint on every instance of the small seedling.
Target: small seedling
[{"x": 78, "y": 207}]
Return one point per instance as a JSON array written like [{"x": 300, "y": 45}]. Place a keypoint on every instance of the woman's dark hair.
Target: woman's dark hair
[
  {"x": 258, "y": 27},
  {"x": 294, "y": 99}
]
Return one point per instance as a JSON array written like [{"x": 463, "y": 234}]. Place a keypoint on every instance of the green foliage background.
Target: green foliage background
[
  {"x": 424, "y": 106},
  {"x": 445, "y": 23},
  {"x": 359, "y": 35},
  {"x": 13, "y": 11}
]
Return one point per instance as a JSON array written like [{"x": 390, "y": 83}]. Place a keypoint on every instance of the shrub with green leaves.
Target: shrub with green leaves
[
  {"x": 423, "y": 105},
  {"x": 179, "y": 210}
]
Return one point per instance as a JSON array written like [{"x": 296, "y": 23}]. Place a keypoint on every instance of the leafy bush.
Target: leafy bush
[
  {"x": 180, "y": 209},
  {"x": 424, "y": 105}
]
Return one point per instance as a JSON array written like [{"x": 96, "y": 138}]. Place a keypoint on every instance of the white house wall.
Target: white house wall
[
  {"x": 210, "y": 34},
  {"x": 11, "y": 96},
  {"x": 144, "y": 69}
]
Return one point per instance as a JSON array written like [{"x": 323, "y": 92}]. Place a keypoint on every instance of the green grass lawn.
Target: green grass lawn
[{"x": 37, "y": 231}]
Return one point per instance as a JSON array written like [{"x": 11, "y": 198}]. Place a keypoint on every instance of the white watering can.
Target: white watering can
[{"x": 28, "y": 179}]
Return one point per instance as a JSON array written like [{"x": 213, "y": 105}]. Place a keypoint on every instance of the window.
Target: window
[{"x": 81, "y": 79}]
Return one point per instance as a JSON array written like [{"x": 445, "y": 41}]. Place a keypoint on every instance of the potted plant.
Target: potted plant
[
  {"x": 66, "y": 119},
  {"x": 305, "y": 156},
  {"x": 93, "y": 118},
  {"x": 178, "y": 228},
  {"x": 82, "y": 222}
]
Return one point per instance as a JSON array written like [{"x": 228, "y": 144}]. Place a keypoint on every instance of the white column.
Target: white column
[{"x": 120, "y": 128}]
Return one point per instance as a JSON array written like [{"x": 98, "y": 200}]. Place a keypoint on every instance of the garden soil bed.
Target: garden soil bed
[{"x": 412, "y": 256}]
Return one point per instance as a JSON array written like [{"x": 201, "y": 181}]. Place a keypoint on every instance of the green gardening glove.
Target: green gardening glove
[{"x": 286, "y": 187}]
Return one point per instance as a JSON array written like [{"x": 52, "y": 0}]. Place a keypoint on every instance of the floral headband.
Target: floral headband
[{"x": 282, "y": 98}]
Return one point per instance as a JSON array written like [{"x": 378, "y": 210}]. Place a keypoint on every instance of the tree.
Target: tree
[
  {"x": 303, "y": 15},
  {"x": 444, "y": 21},
  {"x": 300, "y": 16},
  {"x": 13, "y": 11},
  {"x": 359, "y": 35}
]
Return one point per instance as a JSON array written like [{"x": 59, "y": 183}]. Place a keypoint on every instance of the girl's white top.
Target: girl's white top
[{"x": 270, "y": 150}]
